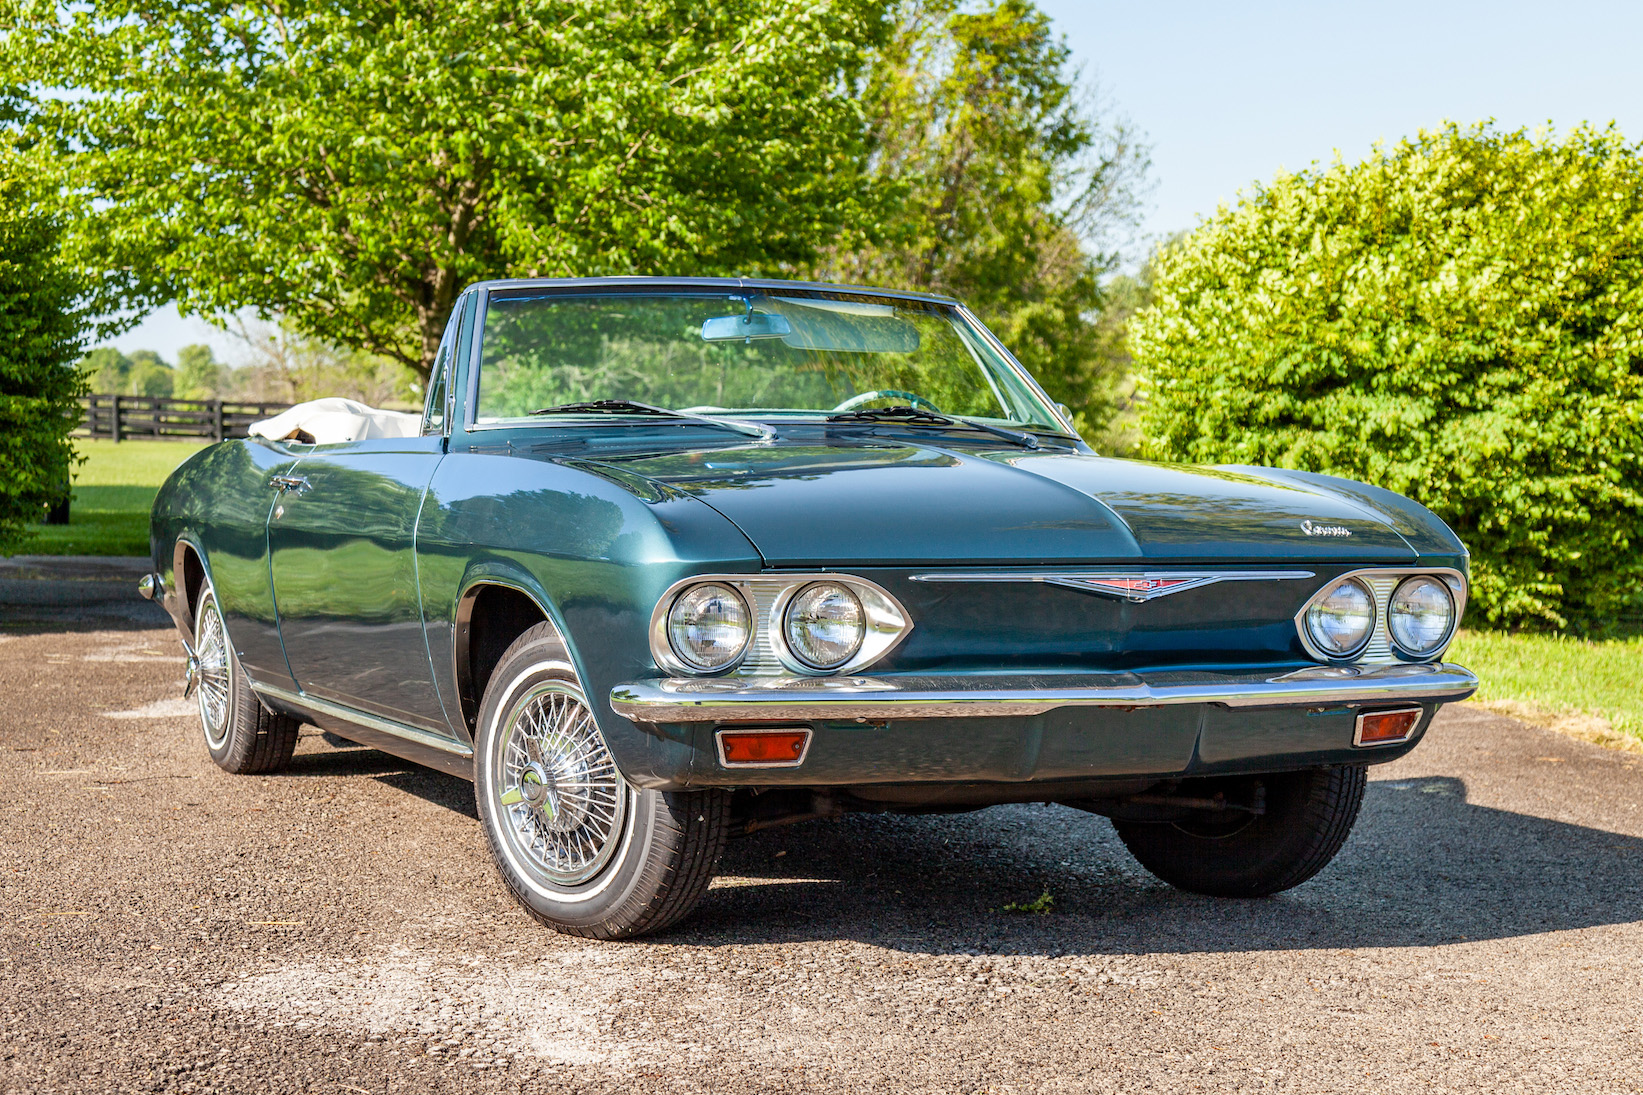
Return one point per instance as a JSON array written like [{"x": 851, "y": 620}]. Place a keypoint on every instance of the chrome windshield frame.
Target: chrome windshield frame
[{"x": 958, "y": 314}]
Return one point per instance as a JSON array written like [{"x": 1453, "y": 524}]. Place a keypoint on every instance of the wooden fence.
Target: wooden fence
[{"x": 123, "y": 417}]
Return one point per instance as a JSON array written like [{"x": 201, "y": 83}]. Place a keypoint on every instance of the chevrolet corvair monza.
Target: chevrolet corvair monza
[{"x": 669, "y": 560}]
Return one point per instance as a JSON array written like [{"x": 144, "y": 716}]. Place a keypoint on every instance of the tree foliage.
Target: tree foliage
[
  {"x": 1010, "y": 184},
  {"x": 1458, "y": 318},
  {"x": 277, "y": 362},
  {"x": 40, "y": 329},
  {"x": 351, "y": 166},
  {"x": 199, "y": 374},
  {"x": 146, "y": 373}
]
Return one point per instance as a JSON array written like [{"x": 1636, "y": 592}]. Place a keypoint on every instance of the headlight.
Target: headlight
[
  {"x": 1420, "y": 615},
  {"x": 709, "y": 626},
  {"x": 1340, "y": 621},
  {"x": 824, "y": 625}
]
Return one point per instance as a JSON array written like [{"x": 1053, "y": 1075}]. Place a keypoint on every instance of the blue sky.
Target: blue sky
[{"x": 1228, "y": 93}]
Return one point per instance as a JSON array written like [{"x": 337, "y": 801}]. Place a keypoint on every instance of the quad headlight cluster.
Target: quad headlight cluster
[
  {"x": 1418, "y": 613},
  {"x": 809, "y": 624}
]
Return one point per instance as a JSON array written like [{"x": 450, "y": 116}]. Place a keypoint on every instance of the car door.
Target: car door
[
  {"x": 342, "y": 545},
  {"x": 342, "y": 548}
]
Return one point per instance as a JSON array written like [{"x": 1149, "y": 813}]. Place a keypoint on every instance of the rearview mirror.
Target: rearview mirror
[{"x": 741, "y": 328}]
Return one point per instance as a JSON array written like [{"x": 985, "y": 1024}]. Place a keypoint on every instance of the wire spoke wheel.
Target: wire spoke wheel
[
  {"x": 211, "y": 670},
  {"x": 561, "y": 802}
]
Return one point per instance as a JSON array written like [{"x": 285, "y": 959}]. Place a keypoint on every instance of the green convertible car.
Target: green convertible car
[{"x": 666, "y": 561}]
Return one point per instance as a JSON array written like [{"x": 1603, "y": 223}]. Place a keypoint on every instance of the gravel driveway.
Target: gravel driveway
[{"x": 338, "y": 928}]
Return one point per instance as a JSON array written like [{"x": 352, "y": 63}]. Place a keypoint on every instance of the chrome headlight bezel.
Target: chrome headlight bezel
[
  {"x": 885, "y": 626},
  {"x": 792, "y": 601},
  {"x": 768, "y": 595},
  {"x": 1370, "y": 613},
  {"x": 1406, "y": 649},
  {"x": 1383, "y": 582},
  {"x": 662, "y": 641}
]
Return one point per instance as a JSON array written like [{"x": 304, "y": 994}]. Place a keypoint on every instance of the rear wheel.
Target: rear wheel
[
  {"x": 583, "y": 851},
  {"x": 1307, "y": 818},
  {"x": 242, "y": 735}
]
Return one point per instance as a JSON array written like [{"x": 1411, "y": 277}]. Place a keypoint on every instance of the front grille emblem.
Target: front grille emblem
[
  {"x": 1130, "y": 586},
  {"x": 1140, "y": 589}
]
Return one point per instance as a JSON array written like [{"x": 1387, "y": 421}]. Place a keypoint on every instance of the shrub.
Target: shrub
[
  {"x": 39, "y": 342},
  {"x": 1458, "y": 318}
]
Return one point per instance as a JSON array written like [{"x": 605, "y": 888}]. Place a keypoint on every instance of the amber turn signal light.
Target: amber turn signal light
[
  {"x": 784, "y": 748},
  {"x": 1386, "y": 727}
]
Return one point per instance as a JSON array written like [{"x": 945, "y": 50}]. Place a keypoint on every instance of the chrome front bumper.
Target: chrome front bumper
[{"x": 866, "y": 699}]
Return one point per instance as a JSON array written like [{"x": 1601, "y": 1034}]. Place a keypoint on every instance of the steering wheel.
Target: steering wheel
[{"x": 884, "y": 393}]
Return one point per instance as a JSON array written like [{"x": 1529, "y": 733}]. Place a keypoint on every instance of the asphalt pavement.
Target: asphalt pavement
[{"x": 338, "y": 928}]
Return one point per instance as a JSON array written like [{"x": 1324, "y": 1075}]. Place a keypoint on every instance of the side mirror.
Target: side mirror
[{"x": 745, "y": 328}]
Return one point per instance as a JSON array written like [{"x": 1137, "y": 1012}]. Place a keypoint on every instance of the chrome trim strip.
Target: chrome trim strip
[
  {"x": 1090, "y": 581},
  {"x": 374, "y": 722},
  {"x": 1378, "y": 648},
  {"x": 719, "y": 741},
  {"x": 804, "y": 699}
]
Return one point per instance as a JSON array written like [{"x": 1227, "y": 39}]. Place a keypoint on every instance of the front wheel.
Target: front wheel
[
  {"x": 1307, "y": 818},
  {"x": 583, "y": 851}
]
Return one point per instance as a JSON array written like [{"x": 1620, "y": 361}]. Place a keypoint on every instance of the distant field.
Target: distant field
[
  {"x": 1570, "y": 684},
  {"x": 113, "y": 492}
]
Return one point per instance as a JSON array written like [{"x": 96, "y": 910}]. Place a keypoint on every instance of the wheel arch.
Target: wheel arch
[
  {"x": 492, "y": 611},
  {"x": 189, "y": 575}
]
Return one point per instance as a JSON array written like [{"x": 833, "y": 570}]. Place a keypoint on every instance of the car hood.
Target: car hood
[{"x": 856, "y": 503}]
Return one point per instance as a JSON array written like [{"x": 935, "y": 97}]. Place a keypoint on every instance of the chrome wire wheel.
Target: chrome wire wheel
[
  {"x": 561, "y": 801},
  {"x": 210, "y": 671}
]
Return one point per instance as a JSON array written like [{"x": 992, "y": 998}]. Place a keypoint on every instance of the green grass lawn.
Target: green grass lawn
[
  {"x": 113, "y": 492},
  {"x": 1569, "y": 684}
]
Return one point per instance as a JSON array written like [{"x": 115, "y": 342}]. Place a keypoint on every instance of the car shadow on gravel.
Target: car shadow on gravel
[
  {"x": 344, "y": 759},
  {"x": 1423, "y": 867}
]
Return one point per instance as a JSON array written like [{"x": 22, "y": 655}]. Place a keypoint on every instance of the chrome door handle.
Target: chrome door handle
[{"x": 283, "y": 483}]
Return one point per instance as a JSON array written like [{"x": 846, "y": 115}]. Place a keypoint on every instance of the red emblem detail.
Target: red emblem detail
[{"x": 1136, "y": 585}]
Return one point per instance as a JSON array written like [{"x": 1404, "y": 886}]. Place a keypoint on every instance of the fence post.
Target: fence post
[
  {"x": 115, "y": 429},
  {"x": 216, "y": 420}
]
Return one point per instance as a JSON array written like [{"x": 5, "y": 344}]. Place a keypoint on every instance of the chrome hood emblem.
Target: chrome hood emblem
[
  {"x": 1129, "y": 585},
  {"x": 1312, "y": 528}
]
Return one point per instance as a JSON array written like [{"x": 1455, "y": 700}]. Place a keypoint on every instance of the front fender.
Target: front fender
[{"x": 592, "y": 553}]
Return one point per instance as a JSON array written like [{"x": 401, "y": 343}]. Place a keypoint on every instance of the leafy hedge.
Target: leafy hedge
[
  {"x": 39, "y": 342},
  {"x": 1458, "y": 318}
]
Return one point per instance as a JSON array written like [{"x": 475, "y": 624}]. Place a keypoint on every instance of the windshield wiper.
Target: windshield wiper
[
  {"x": 628, "y": 406},
  {"x": 914, "y": 416}
]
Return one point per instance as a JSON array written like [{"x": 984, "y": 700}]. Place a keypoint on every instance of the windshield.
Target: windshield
[{"x": 756, "y": 354}]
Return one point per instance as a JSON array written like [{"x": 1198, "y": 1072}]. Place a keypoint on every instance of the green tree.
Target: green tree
[
  {"x": 40, "y": 331},
  {"x": 106, "y": 370},
  {"x": 351, "y": 167},
  {"x": 1010, "y": 187},
  {"x": 150, "y": 375},
  {"x": 1458, "y": 318},
  {"x": 278, "y": 362},
  {"x": 1115, "y": 427},
  {"x": 199, "y": 374}
]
